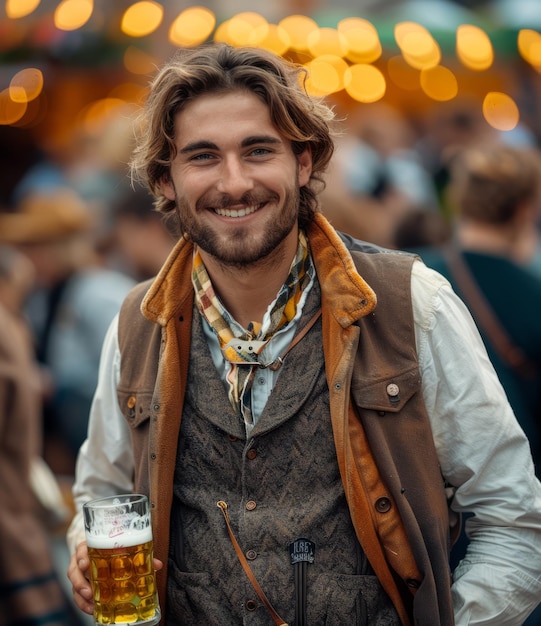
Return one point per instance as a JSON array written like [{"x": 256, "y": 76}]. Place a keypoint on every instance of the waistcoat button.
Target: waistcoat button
[
  {"x": 251, "y": 555},
  {"x": 250, "y": 505},
  {"x": 251, "y": 454},
  {"x": 383, "y": 505},
  {"x": 251, "y": 605}
]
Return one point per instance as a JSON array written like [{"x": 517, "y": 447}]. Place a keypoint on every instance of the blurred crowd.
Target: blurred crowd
[{"x": 75, "y": 235}]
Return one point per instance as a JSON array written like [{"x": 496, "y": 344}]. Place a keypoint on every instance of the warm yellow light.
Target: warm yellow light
[
  {"x": 322, "y": 78},
  {"x": 73, "y": 14},
  {"x": 364, "y": 83},
  {"x": 325, "y": 74},
  {"x": 98, "y": 113},
  {"x": 299, "y": 28},
  {"x": 222, "y": 32},
  {"x": 26, "y": 85},
  {"x": 241, "y": 26},
  {"x": 473, "y": 47},
  {"x": 439, "y": 83},
  {"x": 417, "y": 45},
  {"x": 402, "y": 74},
  {"x": 529, "y": 46},
  {"x": 10, "y": 111},
  {"x": 192, "y": 27},
  {"x": 142, "y": 18},
  {"x": 500, "y": 111},
  {"x": 327, "y": 41},
  {"x": 20, "y": 8},
  {"x": 139, "y": 62},
  {"x": 270, "y": 37},
  {"x": 128, "y": 92},
  {"x": 362, "y": 39}
]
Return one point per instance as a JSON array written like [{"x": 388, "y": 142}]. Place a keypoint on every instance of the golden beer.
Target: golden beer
[
  {"x": 123, "y": 584},
  {"x": 120, "y": 550}
]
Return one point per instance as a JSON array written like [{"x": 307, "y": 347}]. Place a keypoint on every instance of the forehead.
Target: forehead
[{"x": 223, "y": 114}]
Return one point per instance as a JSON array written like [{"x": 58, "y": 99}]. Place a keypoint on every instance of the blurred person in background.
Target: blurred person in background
[
  {"x": 446, "y": 130},
  {"x": 74, "y": 300},
  {"x": 418, "y": 228},
  {"x": 376, "y": 175},
  {"x": 494, "y": 192},
  {"x": 30, "y": 592},
  {"x": 141, "y": 241}
]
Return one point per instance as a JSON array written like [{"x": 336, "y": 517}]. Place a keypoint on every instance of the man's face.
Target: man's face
[{"x": 235, "y": 179}]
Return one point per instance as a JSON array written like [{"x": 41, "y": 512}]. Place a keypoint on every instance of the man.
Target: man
[
  {"x": 494, "y": 192},
  {"x": 294, "y": 409}
]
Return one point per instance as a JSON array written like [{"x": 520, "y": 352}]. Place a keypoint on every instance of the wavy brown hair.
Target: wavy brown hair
[{"x": 303, "y": 120}]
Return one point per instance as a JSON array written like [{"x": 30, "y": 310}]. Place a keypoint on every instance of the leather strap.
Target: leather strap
[
  {"x": 508, "y": 352},
  {"x": 247, "y": 569},
  {"x": 277, "y": 363}
]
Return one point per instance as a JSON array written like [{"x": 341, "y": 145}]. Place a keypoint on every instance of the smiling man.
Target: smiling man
[{"x": 307, "y": 413}]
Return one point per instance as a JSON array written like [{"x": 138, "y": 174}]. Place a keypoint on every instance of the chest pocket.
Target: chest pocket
[{"x": 387, "y": 394}]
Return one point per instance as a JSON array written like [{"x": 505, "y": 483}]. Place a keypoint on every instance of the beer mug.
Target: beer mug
[{"x": 120, "y": 550}]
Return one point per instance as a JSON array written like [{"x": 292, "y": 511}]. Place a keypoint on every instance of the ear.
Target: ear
[
  {"x": 304, "y": 161},
  {"x": 167, "y": 187}
]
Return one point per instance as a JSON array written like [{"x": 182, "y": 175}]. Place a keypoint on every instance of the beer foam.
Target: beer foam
[{"x": 130, "y": 537}]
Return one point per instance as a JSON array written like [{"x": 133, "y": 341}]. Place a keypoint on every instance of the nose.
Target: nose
[{"x": 235, "y": 178}]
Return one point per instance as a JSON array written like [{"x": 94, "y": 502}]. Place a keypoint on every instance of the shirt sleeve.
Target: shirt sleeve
[
  {"x": 484, "y": 454},
  {"x": 105, "y": 463}
]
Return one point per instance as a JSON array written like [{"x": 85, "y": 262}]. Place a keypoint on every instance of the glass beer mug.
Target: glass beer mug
[{"x": 120, "y": 550}]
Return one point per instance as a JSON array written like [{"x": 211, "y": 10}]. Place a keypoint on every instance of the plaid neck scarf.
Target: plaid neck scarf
[{"x": 241, "y": 347}]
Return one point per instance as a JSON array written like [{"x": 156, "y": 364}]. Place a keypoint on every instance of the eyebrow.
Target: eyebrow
[{"x": 249, "y": 141}]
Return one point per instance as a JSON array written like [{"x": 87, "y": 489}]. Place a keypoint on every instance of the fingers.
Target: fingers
[
  {"x": 77, "y": 574},
  {"x": 157, "y": 564}
]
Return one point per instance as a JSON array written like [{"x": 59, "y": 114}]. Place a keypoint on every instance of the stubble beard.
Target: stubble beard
[{"x": 241, "y": 249}]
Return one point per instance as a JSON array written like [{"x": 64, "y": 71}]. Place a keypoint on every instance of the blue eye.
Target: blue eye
[{"x": 202, "y": 157}]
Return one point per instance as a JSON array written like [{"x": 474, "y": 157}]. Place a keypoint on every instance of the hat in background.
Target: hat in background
[{"x": 45, "y": 216}]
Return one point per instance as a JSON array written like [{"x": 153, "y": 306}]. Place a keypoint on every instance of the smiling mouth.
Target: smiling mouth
[{"x": 238, "y": 212}]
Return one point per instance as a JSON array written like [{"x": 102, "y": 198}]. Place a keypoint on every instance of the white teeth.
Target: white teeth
[{"x": 235, "y": 212}]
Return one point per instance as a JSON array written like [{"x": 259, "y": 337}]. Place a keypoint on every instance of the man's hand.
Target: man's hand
[{"x": 78, "y": 576}]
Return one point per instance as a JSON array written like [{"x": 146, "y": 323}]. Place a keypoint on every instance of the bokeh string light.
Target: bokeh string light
[{"x": 348, "y": 60}]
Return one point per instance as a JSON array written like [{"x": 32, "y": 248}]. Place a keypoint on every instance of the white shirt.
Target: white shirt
[{"x": 480, "y": 446}]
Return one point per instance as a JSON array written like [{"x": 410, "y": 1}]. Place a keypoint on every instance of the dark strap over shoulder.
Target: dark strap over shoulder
[{"x": 508, "y": 351}]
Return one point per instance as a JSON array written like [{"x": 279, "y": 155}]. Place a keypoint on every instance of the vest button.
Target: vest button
[
  {"x": 251, "y": 605},
  {"x": 383, "y": 505},
  {"x": 251, "y": 454},
  {"x": 232, "y": 438},
  {"x": 251, "y": 555},
  {"x": 250, "y": 505},
  {"x": 131, "y": 402}
]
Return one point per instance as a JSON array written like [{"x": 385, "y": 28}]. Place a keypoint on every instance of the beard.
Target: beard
[{"x": 241, "y": 247}]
